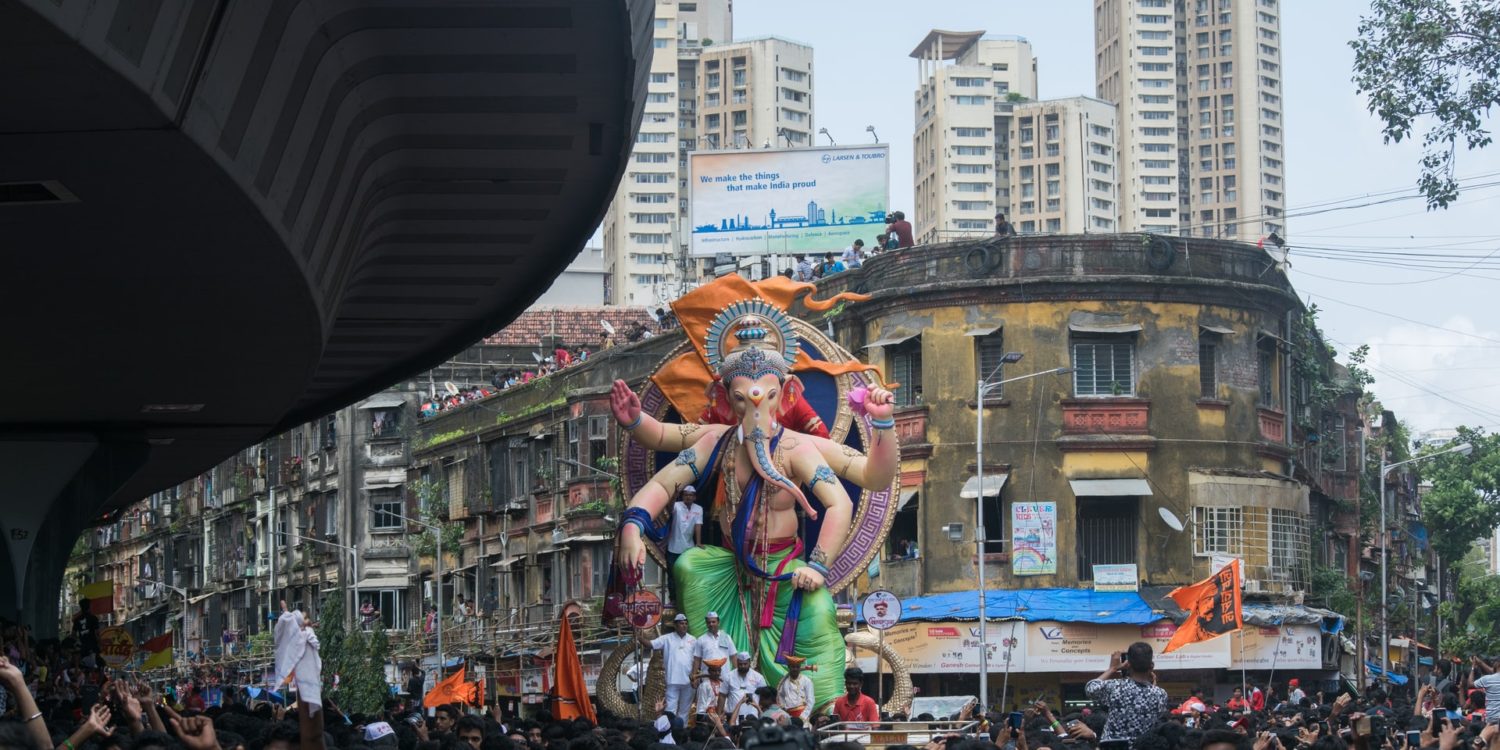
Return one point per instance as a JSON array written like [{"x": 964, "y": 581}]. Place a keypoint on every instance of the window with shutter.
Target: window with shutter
[
  {"x": 1104, "y": 366},
  {"x": 905, "y": 367},
  {"x": 1106, "y": 532},
  {"x": 453, "y": 486},
  {"x": 989, "y": 353},
  {"x": 1208, "y": 377}
]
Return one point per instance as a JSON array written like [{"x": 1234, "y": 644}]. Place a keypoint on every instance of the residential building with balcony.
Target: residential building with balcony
[
  {"x": 1198, "y": 85},
  {"x": 203, "y": 558},
  {"x": 707, "y": 91},
  {"x": 1062, "y": 166},
  {"x": 755, "y": 93},
  {"x": 967, "y": 85}
]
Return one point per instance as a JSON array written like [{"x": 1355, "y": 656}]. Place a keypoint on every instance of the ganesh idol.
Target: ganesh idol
[{"x": 780, "y": 496}]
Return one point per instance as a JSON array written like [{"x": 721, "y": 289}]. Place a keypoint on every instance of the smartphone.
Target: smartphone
[
  {"x": 1413, "y": 738},
  {"x": 1014, "y": 720},
  {"x": 984, "y": 736},
  {"x": 1362, "y": 726}
]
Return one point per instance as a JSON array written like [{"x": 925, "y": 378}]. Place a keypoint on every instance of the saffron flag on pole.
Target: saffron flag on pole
[
  {"x": 572, "y": 690},
  {"x": 451, "y": 690},
  {"x": 100, "y": 595},
  {"x": 158, "y": 652},
  {"x": 1213, "y": 606}
]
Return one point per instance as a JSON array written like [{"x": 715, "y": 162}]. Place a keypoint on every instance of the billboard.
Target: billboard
[{"x": 793, "y": 201}]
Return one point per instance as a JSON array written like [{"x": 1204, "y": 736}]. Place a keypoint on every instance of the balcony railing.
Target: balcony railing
[
  {"x": 911, "y": 425},
  {"x": 1113, "y": 416},
  {"x": 1272, "y": 425}
]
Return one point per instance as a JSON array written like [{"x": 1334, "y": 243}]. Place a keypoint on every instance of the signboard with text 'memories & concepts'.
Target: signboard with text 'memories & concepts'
[{"x": 787, "y": 201}]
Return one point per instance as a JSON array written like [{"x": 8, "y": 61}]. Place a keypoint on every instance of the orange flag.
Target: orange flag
[
  {"x": 1213, "y": 605},
  {"x": 451, "y": 690},
  {"x": 572, "y": 691}
]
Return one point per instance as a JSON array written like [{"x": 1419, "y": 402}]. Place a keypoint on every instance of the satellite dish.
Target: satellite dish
[
  {"x": 450, "y": 388},
  {"x": 607, "y": 326},
  {"x": 1170, "y": 519},
  {"x": 537, "y": 356}
]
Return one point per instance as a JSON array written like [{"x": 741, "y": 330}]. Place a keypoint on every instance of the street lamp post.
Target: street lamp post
[
  {"x": 981, "y": 389},
  {"x": 181, "y": 631},
  {"x": 353, "y": 564},
  {"x": 437, "y": 533},
  {"x": 1385, "y": 642}
]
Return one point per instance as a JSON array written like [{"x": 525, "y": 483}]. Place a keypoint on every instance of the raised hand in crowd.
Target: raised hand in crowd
[
  {"x": 15, "y": 683},
  {"x": 97, "y": 725},
  {"x": 195, "y": 732}
]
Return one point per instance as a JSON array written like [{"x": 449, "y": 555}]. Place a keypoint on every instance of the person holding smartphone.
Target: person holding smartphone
[{"x": 1127, "y": 687}]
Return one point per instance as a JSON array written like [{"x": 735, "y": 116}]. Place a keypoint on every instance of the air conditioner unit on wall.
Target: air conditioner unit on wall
[{"x": 1252, "y": 586}]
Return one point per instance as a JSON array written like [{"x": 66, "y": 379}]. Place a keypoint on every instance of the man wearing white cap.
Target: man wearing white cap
[
  {"x": 739, "y": 688},
  {"x": 715, "y": 644},
  {"x": 686, "y": 532},
  {"x": 676, "y": 650}
]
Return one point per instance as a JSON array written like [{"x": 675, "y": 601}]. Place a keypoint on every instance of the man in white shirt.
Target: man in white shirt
[
  {"x": 676, "y": 650},
  {"x": 739, "y": 689},
  {"x": 715, "y": 644},
  {"x": 854, "y": 255},
  {"x": 711, "y": 688},
  {"x": 685, "y": 534},
  {"x": 804, "y": 269},
  {"x": 795, "y": 693},
  {"x": 1297, "y": 694}
]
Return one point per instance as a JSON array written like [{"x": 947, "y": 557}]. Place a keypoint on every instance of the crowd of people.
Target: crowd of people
[
  {"x": 897, "y": 235},
  {"x": 561, "y": 358},
  {"x": 56, "y": 694}
]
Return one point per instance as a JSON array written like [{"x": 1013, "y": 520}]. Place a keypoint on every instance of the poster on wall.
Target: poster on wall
[
  {"x": 787, "y": 201},
  {"x": 1033, "y": 538},
  {"x": 531, "y": 687}
]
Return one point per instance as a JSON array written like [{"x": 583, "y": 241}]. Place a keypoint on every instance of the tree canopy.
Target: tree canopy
[
  {"x": 1463, "y": 505},
  {"x": 1434, "y": 65}
]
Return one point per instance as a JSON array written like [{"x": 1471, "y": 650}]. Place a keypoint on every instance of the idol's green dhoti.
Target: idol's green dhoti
[{"x": 711, "y": 580}]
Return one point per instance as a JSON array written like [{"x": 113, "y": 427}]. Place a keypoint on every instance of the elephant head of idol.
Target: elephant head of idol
[{"x": 755, "y": 349}]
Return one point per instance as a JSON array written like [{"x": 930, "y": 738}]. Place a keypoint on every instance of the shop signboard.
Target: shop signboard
[
  {"x": 1284, "y": 647},
  {"x": 116, "y": 646},
  {"x": 1116, "y": 578},
  {"x": 952, "y": 646},
  {"x": 1087, "y": 647}
]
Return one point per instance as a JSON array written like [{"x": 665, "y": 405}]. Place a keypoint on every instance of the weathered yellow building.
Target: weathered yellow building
[
  {"x": 1174, "y": 413},
  {"x": 1171, "y": 409}
]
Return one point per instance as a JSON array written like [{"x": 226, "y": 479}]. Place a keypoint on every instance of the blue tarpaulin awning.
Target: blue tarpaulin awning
[
  {"x": 1060, "y": 605},
  {"x": 1086, "y": 605},
  {"x": 1377, "y": 672}
]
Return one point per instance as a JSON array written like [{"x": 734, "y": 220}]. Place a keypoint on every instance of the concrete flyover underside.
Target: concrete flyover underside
[{"x": 221, "y": 218}]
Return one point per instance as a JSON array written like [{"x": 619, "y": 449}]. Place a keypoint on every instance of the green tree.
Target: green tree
[
  {"x": 1464, "y": 503},
  {"x": 356, "y": 657},
  {"x": 1433, "y": 64},
  {"x": 1473, "y": 616}
]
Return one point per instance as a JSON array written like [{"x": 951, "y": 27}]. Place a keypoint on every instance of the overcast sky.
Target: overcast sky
[{"x": 1431, "y": 377}]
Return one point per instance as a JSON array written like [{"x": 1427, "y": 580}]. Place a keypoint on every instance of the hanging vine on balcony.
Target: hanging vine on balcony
[
  {"x": 1312, "y": 364},
  {"x": 431, "y": 511}
]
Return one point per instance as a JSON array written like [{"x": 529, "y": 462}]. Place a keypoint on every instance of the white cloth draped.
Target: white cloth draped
[{"x": 297, "y": 656}]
